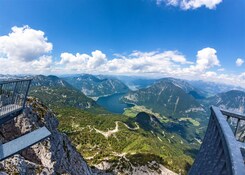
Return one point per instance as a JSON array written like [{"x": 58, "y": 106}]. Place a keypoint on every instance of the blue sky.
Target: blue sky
[{"x": 118, "y": 28}]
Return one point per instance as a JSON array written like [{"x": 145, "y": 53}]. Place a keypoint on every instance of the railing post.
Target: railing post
[
  {"x": 1, "y": 89},
  {"x": 14, "y": 92},
  {"x": 27, "y": 90},
  {"x": 238, "y": 120}
]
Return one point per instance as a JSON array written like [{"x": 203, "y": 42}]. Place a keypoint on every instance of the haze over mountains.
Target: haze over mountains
[
  {"x": 212, "y": 88},
  {"x": 233, "y": 100}
]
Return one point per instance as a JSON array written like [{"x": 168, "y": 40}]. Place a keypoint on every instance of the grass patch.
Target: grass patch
[
  {"x": 194, "y": 122},
  {"x": 133, "y": 111}
]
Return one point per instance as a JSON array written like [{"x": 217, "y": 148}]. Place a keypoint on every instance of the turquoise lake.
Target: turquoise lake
[{"x": 113, "y": 104}]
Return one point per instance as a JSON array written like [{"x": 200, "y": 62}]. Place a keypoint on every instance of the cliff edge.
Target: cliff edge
[{"x": 55, "y": 155}]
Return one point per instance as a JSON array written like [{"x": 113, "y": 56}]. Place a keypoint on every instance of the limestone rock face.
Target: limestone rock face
[
  {"x": 126, "y": 167},
  {"x": 55, "y": 155}
]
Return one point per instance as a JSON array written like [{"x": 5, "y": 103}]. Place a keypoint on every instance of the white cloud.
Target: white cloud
[
  {"x": 24, "y": 50},
  {"x": 155, "y": 63},
  {"x": 239, "y": 62},
  {"x": 167, "y": 62},
  {"x": 168, "y": 2},
  {"x": 24, "y": 43},
  {"x": 44, "y": 62},
  {"x": 242, "y": 76},
  {"x": 210, "y": 74},
  {"x": 221, "y": 69},
  {"x": 191, "y": 4},
  {"x": 232, "y": 79},
  {"x": 176, "y": 57},
  {"x": 97, "y": 59},
  {"x": 206, "y": 59},
  {"x": 136, "y": 62},
  {"x": 83, "y": 62}
]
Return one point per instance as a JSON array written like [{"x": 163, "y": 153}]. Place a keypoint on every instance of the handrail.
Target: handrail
[
  {"x": 234, "y": 155},
  {"x": 13, "y": 95},
  {"x": 232, "y": 114},
  {"x": 220, "y": 152},
  {"x": 14, "y": 80}
]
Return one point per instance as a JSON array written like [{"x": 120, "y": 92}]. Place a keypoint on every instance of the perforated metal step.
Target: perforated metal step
[{"x": 10, "y": 148}]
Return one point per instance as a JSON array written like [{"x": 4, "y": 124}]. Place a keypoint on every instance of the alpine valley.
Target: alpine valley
[
  {"x": 160, "y": 133},
  {"x": 96, "y": 86}
]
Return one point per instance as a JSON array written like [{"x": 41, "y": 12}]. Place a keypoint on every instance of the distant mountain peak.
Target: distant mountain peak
[
  {"x": 233, "y": 100},
  {"x": 55, "y": 91},
  {"x": 164, "y": 97},
  {"x": 94, "y": 86}
]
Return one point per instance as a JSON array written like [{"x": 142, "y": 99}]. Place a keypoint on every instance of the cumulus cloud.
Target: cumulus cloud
[
  {"x": 190, "y": 4},
  {"x": 83, "y": 62},
  {"x": 221, "y": 69},
  {"x": 242, "y": 76},
  {"x": 155, "y": 63},
  {"x": 43, "y": 63},
  {"x": 24, "y": 43},
  {"x": 168, "y": 2},
  {"x": 232, "y": 79},
  {"x": 24, "y": 50},
  {"x": 206, "y": 59},
  {"x": 166, "y": 62},
  {"x": 136, "y": 62},
  {"x": 239, "y": 62}
]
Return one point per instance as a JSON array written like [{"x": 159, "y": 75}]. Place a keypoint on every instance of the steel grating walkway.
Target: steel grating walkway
[
  {"x": 10, "y": 148},
  {"x": 13, "y": 95}
]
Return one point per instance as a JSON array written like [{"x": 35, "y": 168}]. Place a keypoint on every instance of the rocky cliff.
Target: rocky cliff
[{"x": 55, "y": 155}]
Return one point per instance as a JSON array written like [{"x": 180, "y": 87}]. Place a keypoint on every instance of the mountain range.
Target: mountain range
[
  {"x": 233, "y": 100},
  {"x": 57, "y": 93},
  {"x": 176, "y": 97},
  {"x": 212, "y": 88},
  {"x": 161, "y": 132},
  {"x": 110, "y": 133},
  {"x": 183, "y": 108},
  {"x": 96, "y": 86},
  {"x": 169, "y": 97}
]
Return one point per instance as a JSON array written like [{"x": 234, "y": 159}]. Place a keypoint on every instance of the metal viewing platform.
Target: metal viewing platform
[
  {"x": 223, "y": 149},
  {"x": 13, "y": 95}
]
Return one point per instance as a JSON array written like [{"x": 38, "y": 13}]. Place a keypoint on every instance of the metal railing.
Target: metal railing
[
  {"x": 13, "y": 95},
  {"x": 222, "y": 147},
  {"x": 237, "y": 124}
]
